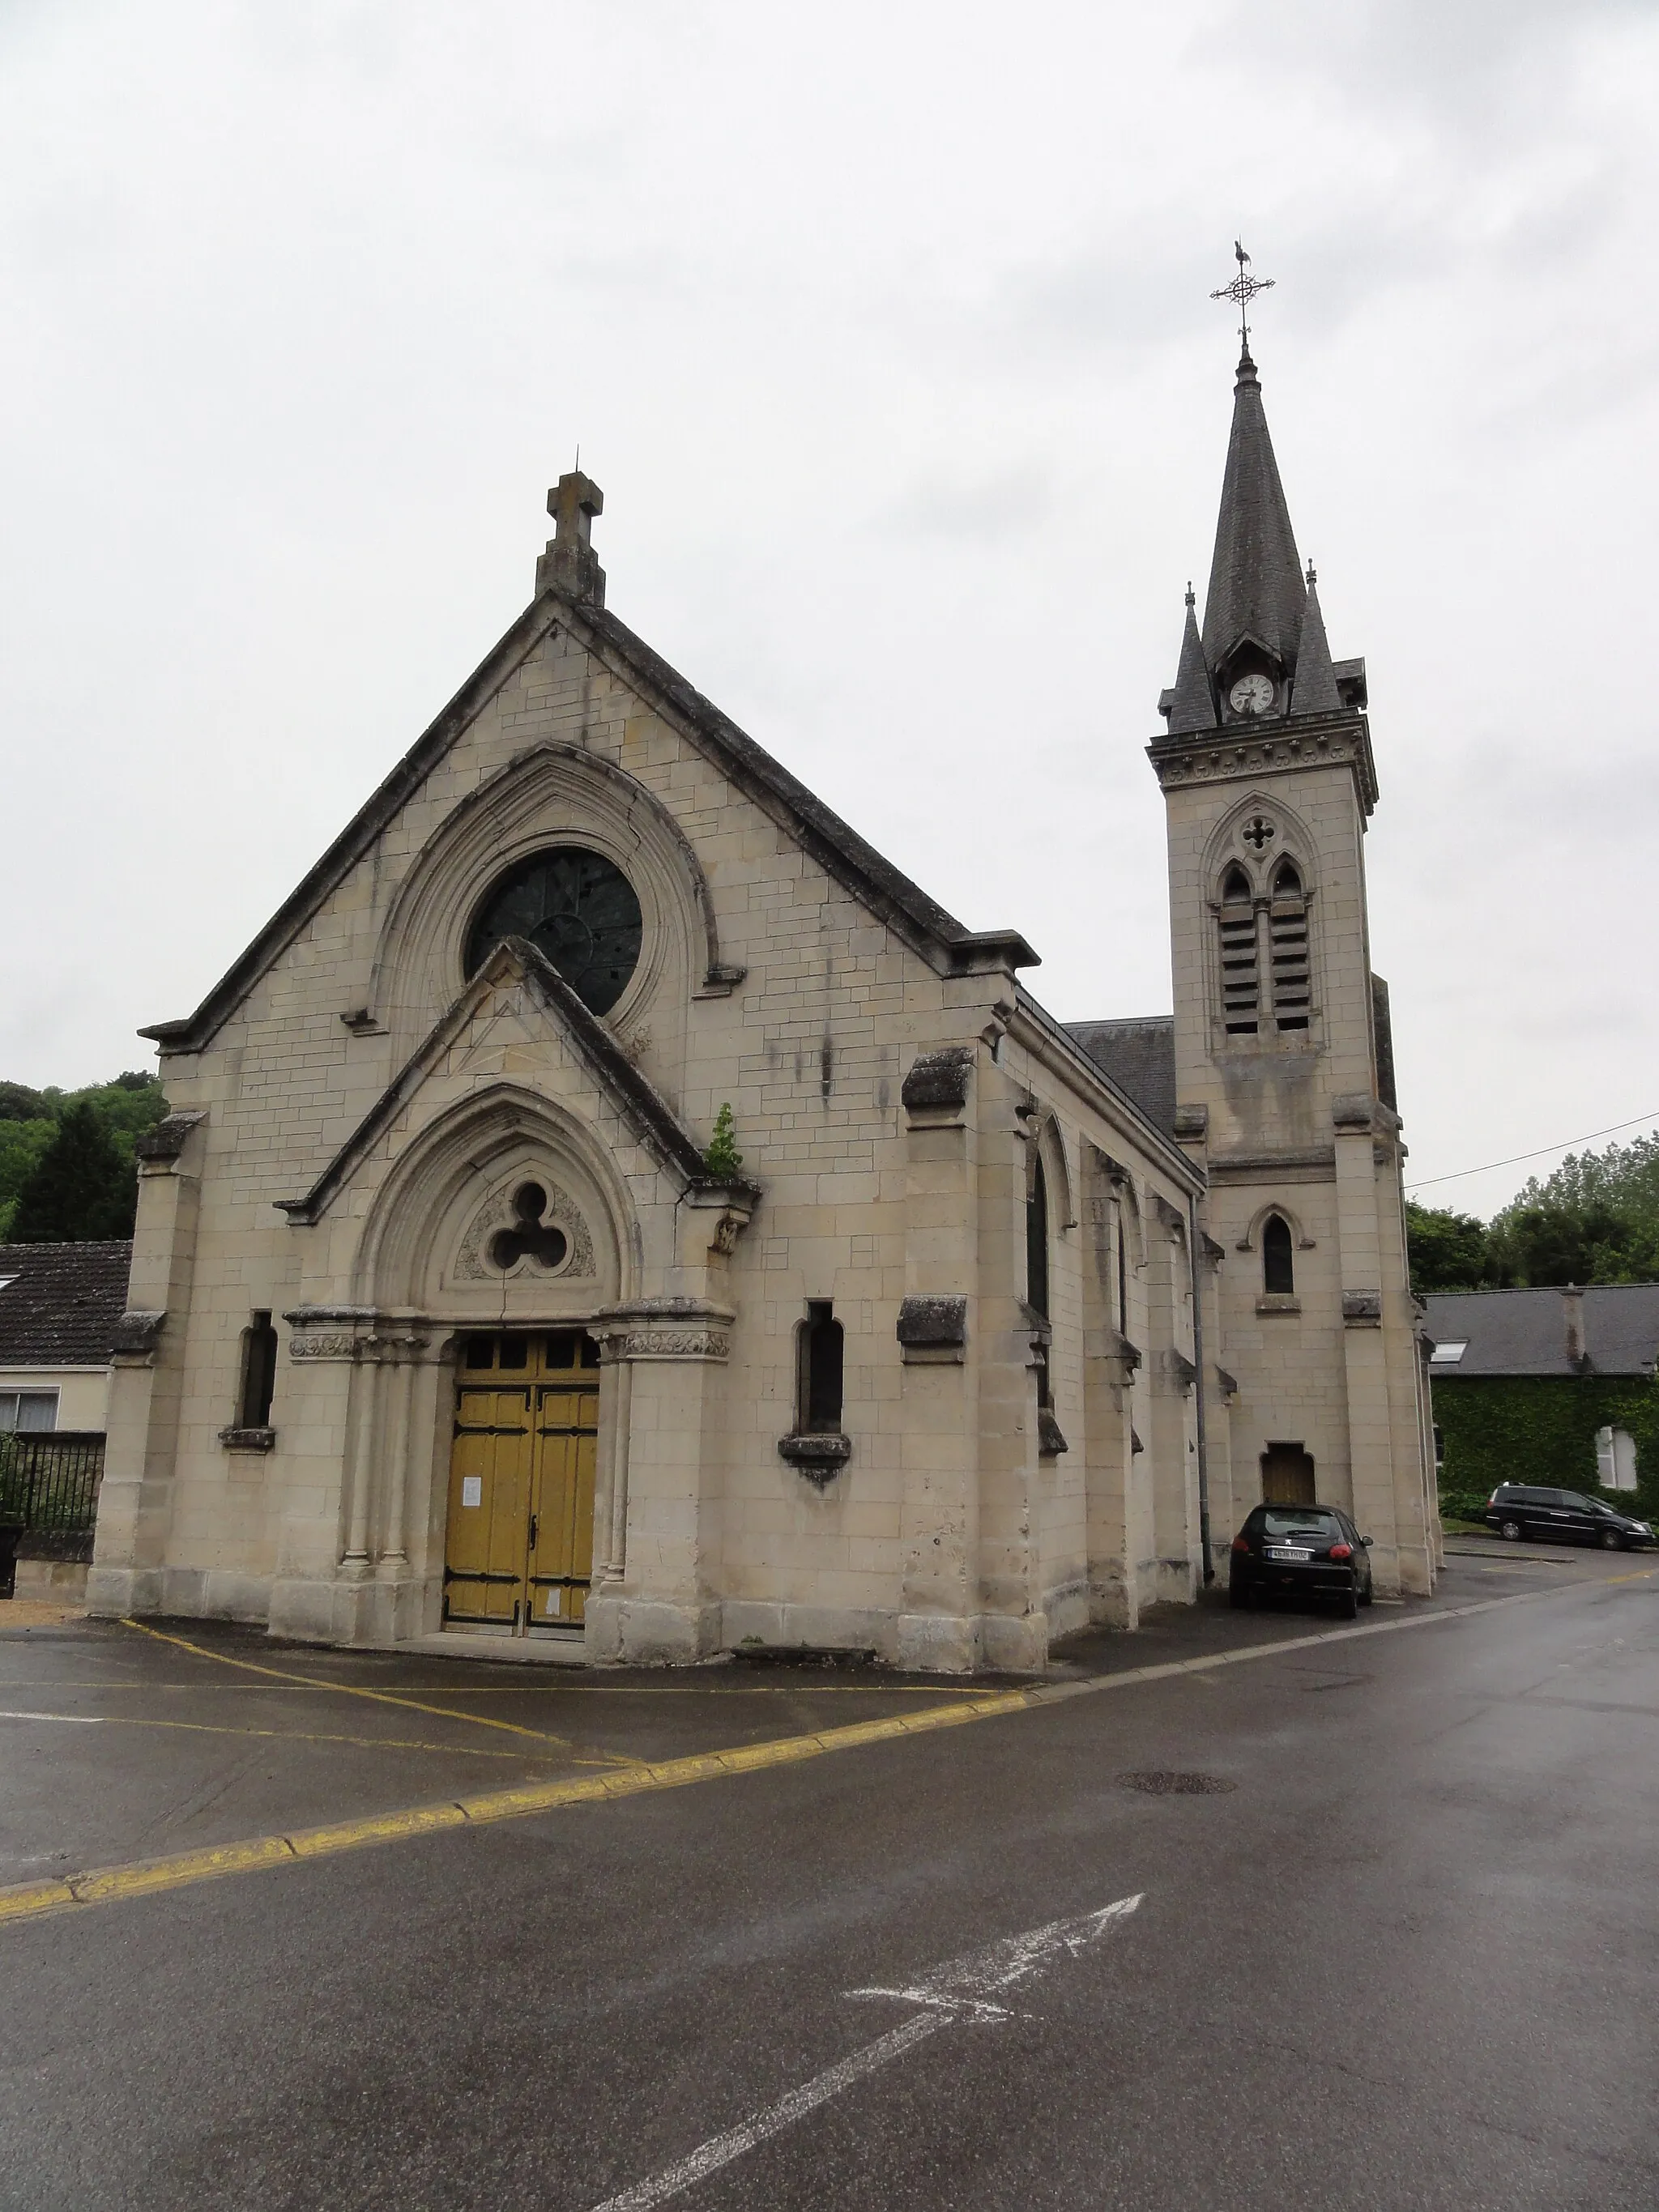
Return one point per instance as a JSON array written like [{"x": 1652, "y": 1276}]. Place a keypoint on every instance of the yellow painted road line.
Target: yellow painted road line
[
  {"x": 714, "y": 1689},
  {"x": 30, "y": 1900},
  {"x": 34, "y": 1900},
  {"x": 353, "y": 1689}
]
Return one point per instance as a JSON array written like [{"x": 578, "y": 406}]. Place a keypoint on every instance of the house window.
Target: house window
[
  {"x": 259, "y": 1383},
  {"x": 1278, "y": 1265},
  {"x": 1448, "y": 1353},
  {"x": 1615, "y": 1459},
  {"x": 1241, "y": 987},
  {"x": 1287, "y": 929},
  {"x": 28, "y": 1412},
  {"x": 819, "y": 1385}
]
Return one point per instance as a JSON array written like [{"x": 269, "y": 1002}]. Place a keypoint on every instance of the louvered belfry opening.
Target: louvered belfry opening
[
  {"x": 1287, "y": 924},
  {"x": 1241, "y": 981}
]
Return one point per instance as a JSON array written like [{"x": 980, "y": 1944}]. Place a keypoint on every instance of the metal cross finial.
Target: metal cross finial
[{"x": 1243, "y": 289}]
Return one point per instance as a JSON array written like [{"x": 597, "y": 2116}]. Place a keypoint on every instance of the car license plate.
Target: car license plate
[{"x": 1284, "y": 1552}]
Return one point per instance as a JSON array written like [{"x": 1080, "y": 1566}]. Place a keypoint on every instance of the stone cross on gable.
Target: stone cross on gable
[{"x": 569, "y": 564}]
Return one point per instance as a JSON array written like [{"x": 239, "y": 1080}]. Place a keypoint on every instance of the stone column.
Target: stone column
[
  {"x": 660, "y": 1603},
  {"x": 937, "y": 1339},
  {"x": 1109, "y": 1365},
  {"x": 1013, "y": 1627},
  {"x": 135, "y": 1501},
  {"x": 323, "y": 1556},
  {"x": 1370, "y": 1438},
  {"x": 1172, "y": 1379}
]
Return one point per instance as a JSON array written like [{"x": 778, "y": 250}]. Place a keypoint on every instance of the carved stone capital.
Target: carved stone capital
[{"x": 665, "y": 1328}]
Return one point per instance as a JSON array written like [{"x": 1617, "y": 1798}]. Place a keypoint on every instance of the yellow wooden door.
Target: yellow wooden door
[
  {"x": 520, "y": 1548},
  {"x": 562, "y": 1531},
  {"x": 491, "y": 1481}
]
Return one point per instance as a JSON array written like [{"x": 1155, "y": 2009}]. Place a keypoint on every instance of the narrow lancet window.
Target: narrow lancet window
[
  {"x": 1241, "y": 987},
  {"x": 1287, "y": 924},
  {"x": 1278, "y": 1261},
  {"x": 819, "y": 1403},
  {"x": 258, "y": 1385},
  {"x": 1036, "y": 1242}
]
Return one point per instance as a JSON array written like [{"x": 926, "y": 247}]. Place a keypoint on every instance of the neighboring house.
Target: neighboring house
[
  {"x": 445, "y": 1314},
  {"x": 59, "y": 1305},
  {"x": 1548, "y": 1386},
  {"x": 60, "y": 1308}
]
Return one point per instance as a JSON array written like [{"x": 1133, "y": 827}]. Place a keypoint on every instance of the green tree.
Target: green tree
[
  {"x": 1563, "y": 1242},
  {"x": 1449, "y": 1251},
  {"x": 133, "y": 1103},
  {"x": 82, "y": 1187}
]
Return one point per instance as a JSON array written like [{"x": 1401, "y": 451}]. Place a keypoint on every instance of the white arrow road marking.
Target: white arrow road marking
[{"x": 960, "y": 1992}]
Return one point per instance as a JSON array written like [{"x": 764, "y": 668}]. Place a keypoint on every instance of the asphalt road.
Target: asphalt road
[{"x": 1394, "y": 1943}]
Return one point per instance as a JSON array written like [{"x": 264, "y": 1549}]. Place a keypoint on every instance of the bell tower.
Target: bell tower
[{"x": 1284, "y": 1066}]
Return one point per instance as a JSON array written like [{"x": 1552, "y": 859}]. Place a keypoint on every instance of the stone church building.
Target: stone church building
[{"x": 460, "y": 1306}]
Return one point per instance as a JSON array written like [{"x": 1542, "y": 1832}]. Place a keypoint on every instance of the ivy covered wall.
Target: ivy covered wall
[{"x": 1542, "y": 1429}]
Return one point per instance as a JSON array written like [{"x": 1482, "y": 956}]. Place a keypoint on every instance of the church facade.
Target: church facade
[{"x": 609, "y": 1203}]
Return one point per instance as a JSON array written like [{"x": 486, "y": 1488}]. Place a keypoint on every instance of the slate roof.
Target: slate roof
[
  {"x": 1138, "y": 1055},
  {"x": 62, "y": 1308},
  {"x": 1256, "y": 588},
  {"x": 1525, "y": 1332}
]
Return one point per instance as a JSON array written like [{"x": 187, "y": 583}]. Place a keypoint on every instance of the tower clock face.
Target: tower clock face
[
  {"x": 1251, "y": 695},
  {"x": 574, "y": 907}
]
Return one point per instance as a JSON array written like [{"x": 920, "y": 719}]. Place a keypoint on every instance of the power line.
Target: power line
[{"x": 1515, "y": 1158}]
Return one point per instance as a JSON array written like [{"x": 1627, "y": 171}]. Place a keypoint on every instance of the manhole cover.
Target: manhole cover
[{"x": 1163, "y": 1782}]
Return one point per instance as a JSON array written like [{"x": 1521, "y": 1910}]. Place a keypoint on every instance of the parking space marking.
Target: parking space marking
[
  {"x": 30, "y": 1900},
  {"x": 310, "y": 1735},
  {"x": 355, "y": 1690},
  {"x": 961, "y": 1991}
]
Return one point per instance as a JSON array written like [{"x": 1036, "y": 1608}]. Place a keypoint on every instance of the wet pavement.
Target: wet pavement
[{"x": 1395, "y": 1944}]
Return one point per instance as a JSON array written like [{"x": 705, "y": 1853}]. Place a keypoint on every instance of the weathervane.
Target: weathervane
[{"x": 1243, "y": 289}]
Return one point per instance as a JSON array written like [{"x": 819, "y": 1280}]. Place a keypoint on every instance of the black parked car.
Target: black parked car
[
  {"x": 1516, "y": 1509},
  {"x": 1314, "y": 1549}
]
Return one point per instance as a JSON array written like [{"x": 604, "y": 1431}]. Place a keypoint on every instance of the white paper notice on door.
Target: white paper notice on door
[{"x": 472, "y": 1490}]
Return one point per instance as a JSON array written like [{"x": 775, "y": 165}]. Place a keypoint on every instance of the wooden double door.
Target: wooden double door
[{"x": 519, "y": 1550}]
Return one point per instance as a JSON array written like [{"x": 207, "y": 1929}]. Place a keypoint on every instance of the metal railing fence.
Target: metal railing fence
[{"x": 50, "y": 1480}]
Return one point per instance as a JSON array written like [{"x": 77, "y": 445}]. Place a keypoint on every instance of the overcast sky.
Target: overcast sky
[{"x": 886, "y": 331}]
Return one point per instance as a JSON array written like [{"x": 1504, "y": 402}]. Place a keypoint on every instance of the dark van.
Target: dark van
[{"x": 1516, "y": 1509}]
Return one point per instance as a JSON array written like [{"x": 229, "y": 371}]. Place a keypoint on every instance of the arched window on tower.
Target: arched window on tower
[
  {"x": 1240, "y": 986},
  {"x": 1277, "y": 1263},
  {"x": 1287, "y": 924}
]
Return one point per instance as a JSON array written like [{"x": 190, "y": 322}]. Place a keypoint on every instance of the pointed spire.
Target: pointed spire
[
  {"x": 1316, "y": 691},
  {"x": 1256, "y": 578},
  {"x": 1192, "y": 704}
]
